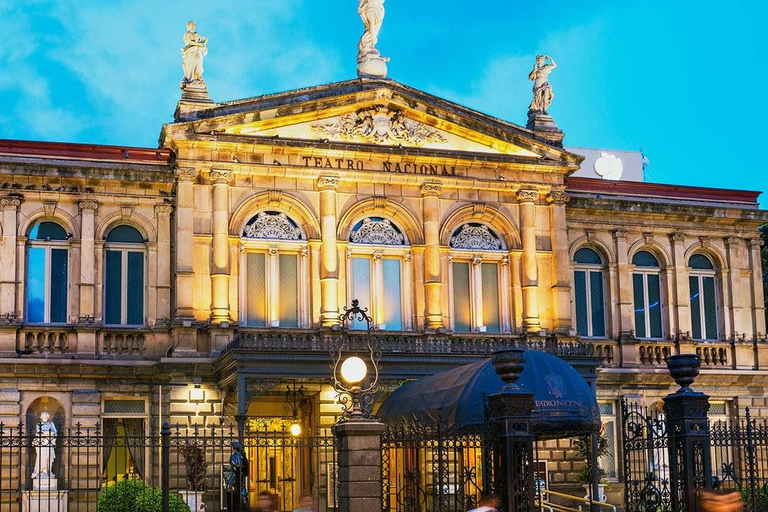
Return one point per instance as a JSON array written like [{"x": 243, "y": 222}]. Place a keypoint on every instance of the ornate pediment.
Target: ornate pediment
[{"x": 272, "y": 226}]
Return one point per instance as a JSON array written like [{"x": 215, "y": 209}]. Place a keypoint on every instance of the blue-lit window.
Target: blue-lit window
[
  {"x": 646, "y": 285},
  {"x": 703, "y": 298},
  {"x": 47, "y": 274},
  {"x": 124, "y": 269},
  {"x": 589, "y": 295}
]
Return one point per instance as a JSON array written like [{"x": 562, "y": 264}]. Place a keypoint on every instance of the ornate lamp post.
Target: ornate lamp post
[
  {"x": 294, "y": 405},
  {"x": 351, "y": 366}
]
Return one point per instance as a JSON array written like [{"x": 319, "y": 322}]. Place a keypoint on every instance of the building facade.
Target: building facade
[{"x": 193, "y": 282}]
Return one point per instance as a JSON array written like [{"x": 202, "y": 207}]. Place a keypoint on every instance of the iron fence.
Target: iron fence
[{"x": 121, "y": 464}]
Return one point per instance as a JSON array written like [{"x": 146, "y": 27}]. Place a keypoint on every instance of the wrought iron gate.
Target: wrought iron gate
[{"x": 646, "y": 459}]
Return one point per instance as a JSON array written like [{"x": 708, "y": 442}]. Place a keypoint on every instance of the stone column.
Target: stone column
[
  {"x": 561, "y": 289},
  {"x": 690, "y": 467},
  {"x": 220, "y": 248},
  {"x": 86, "y": 337},
  {"x": 530, "y": 281},
  {"x": 329, "y": 259},
  {"x": 681, "y": 295},
  {"x": 359, "y": 465},
  {"x": 163, "y": 215},
  {"x": 624, "y": 277},
  {"x": 185, "y": 275},
  {"x": 433, "y": 312},
  {"x": 758, "y": 304},
  {"x": 735, "y": 259},
  {"x": 476, "y": 293},
  {"x": 10, "y": 206}
]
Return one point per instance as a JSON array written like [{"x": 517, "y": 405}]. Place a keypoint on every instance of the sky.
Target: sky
[{"x": 684, "y": 81}]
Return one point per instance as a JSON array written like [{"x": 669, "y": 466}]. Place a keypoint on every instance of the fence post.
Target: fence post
[
  {"x": 360, "y": 488},
  {"x": 690, "y": 465},
  {"x": 165, "y": 462},
  {"x": 511, "y": 411}
]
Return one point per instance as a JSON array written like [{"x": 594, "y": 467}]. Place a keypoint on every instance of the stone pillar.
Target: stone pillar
[
  {"x": 163, "y": 214},
  {"x": 433, "y": 312},
  {"x": 561, "y": 289},
  {"x": 329, "y": 258},
  {"x": 86, "y": 337},
  {"x": 626, "y": 309},
  {"x": 735, "y": 260},
  {"x": 758, "y": 301},
  {"x": 690, "y": 467},
  {"x": 511, "y": 411},
  {"x": 8, "y": 312},
  {"x": 359, "y": 465},
  {"x": 530, "y": 281},
  {"x": 185, "y": 276},
  {"x": 220, "y": 248},
  {"x": 681, "y": 296}
]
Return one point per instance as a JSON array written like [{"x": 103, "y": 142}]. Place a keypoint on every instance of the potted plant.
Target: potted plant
[
  {"x": 197, "y": 469},
  {"x": 583, "y": 449}
]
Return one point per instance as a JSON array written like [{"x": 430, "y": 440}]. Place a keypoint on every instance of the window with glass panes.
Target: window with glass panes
[
  {"x": 589, "y": 298},
  {"x": 703, "y": 298},
  {"x": 477, "y": 279},
  {"x": 47, "y": 274},
  {"x": 124, "y": 283},
  {"x": 272, "y": 271},
  {"x": 378, "y": 254},
  {"x": 608, "y": 418},
  {"x": 646, "y": 285}
]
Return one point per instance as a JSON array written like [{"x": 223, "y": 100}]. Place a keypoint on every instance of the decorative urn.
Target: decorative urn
[
  {"x": 684, "y": 368},
  {"x": 509, "y": 364}
]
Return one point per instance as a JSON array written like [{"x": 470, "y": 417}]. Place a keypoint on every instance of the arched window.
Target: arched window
[
  {"x": 589, "y": 296},
  {"x": 379, "y": 254},
  {"x": 47, "y": 273},
  {"x": 703, "y": 298},
  {"x": 275, "y": 276},
  {"x": 124, "y": 285},
  {"x": 478, "y": 281},
  {"x": 646, "y": 284}
]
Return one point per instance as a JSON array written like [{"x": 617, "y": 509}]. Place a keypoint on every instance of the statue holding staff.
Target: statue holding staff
[
  {"x": 195, "y": 48},
  {"x": 542, "y": 90}
]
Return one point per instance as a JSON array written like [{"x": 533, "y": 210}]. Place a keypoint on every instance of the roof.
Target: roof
[
  {"x": 645, "y": 189},
  {"x": 89, "y": 152}
]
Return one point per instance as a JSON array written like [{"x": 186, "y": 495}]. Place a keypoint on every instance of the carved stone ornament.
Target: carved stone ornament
[
  {"x": 126, "y": 210},
  {"x": 558, "y": 197},
  {"x": 49, "y": 207},
  {"x": 219, "y": 176},
  {"x": 324, "y": 182},
  {"x": 618, "y": 233},
  {"x": 275, "y": 196},
  {"x": 527, "y": 196},
  {"x": 677, "y": 237},
  {"x": 10, "y": 203},
  {"x": 379, "y": 202},
  {"x": 475, "y": 237},
  {"x": 88, "y": 205},
  {"x": 379, "y": 125},
  {"x": 273, "y": 226},
  {"x": 185, "y": 174},
  {"x": 431, "y": 189},
  {"x": 163, "y": 209},
  {"x": 380, "y": 232},
  {"x": 732, "y": 240},
  {"x": 759, "y": 242}
]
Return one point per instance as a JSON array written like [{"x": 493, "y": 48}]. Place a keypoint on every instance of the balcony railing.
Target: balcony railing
[{"x": 45, "y": 341}]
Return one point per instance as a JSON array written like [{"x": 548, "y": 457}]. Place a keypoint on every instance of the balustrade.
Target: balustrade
[
  {"x": 123, "y": 343},
  {"x": 44, "y": 341}
]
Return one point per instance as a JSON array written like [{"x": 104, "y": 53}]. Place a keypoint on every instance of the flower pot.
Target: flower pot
[
  {"x": 194, "y": 500},
  {"x": 601, "y": 497}
]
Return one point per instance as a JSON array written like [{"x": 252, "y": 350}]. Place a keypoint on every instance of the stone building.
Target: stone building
[{"x": 195, "y": 281}]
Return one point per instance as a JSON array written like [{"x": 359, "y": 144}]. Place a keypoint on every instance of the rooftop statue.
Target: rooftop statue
[
  {"x": 195, "y": 48},
  {"x": 370, "y": 63},
  {"x": 542, "y": 91}
]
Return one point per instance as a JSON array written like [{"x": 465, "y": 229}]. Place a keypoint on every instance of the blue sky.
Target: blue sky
[{"x": 683, "y": 80}]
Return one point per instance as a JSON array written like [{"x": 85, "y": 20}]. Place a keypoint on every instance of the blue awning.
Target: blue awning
[{"x": 564, "y": 404}]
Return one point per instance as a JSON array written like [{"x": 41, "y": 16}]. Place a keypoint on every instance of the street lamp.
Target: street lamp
[
  {"x": 294, "y": 405},
  {"x": 351, "y": 365}
]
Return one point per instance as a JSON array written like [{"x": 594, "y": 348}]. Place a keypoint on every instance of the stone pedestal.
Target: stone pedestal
[
  {"x": 372, "y": 65},
  {"x": 359, "y": 465},
  {"x": 545, "y": 129},
  {"x": 44, "y": 496},
  {"x": 194, "y": 98}
]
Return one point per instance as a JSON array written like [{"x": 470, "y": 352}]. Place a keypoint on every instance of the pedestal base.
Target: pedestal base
[
  {"x": 194, "y": 98},
  {"x": 545, "y": 128},
  {"x": 372, "y": 66},
  {"x": 44, "y": 501}
]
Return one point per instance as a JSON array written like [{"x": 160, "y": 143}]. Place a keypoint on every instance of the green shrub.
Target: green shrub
[
  {"x": 760, "y": 501},
  {"x": 133, "y": 495}
]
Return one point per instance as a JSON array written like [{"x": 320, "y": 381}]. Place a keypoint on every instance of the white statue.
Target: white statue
[
  {"x": 369, "y": 61},
  {"x": 44, "y": 443},
  {"x": 542, "y": 91},
  {"x": 195, "y": 48}
]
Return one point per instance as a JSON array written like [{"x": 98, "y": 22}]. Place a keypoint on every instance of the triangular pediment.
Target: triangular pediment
[{"x": 373, "y": 113}]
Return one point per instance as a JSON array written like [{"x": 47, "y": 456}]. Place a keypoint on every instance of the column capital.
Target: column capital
[
  {"x": 10, "y": 203},
  {"x": 677, "y": 237},
  {"x": 527, "y": 196},
  {"x": 619, "y": 233},
  {"x": 558, "y": 197},
  {"x": 185, "y": 174},
  {"x": 732, "y": 240},
  {"x": 759, "y": 242},
  {"x": 431, "y": 189},
  {"x": 221, "y": 177},
  {"x": 88, "y": 204},
  {"x": 163, "y": 209},
  {"x": 328, "y": 182}
]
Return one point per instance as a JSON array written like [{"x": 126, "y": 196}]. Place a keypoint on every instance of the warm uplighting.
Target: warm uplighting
[
  {"x": 295, "y": 429},
  {"x": 196, "y": 394},
  {"x": 353, "y": 370}
]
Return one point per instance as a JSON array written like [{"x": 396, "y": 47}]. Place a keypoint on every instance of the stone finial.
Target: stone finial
[{"x": 370, "y": 63}]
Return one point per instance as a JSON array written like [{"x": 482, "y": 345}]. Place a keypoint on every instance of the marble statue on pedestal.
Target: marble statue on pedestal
[
  {"x": 44, "y": 443},
  {"x": 195, "y": 48},
  {"x": 542, "y": 90},
  {"x": 370, "y": 63}
]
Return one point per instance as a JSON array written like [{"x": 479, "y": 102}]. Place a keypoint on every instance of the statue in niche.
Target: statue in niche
[
  {"x": 370, "y": 63},
  {"x": 542, "y": 90},
  {"x": 195, "y": 48},
  {"x": 44, "y": 443}
]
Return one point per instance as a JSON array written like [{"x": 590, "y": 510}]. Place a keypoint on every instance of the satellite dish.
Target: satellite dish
[{"x": 609, "y": 167}]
